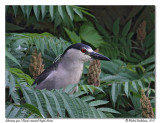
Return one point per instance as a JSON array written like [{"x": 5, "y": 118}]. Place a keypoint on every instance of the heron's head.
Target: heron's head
[{"x": 82, "y": 52}]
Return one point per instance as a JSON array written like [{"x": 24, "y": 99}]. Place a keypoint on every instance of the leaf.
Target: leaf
[
  {"x": 61, "y": 11},
  {"x": 16, "y": 111},
  {"x": 111, "y": 67},
  {"x": 48, "y": 105},
  {"x": 102, "y": 31},
  {"x": 96, "y": 114},
  {"x": 57, "y": 20},
  {"x": 8, "y": 110},
  {"x": 126, "y": 28},
  {"x": 15, "y": 96},
  {"x": 114, "y": 93},
  {"x": 98, "y": 88},
  {"x": 108, "y": 110},
  {"x": 51, "y": 11},
  {"x": 91, "y": 88},
  {"x": 12, "y": 88},
  {"x": 28, "y": 10},
  {"x": 36, "y": 10},
  {"x": 150, "y": 39},
  {"x": 89, "y": 34},
  {"x": 148, "y": 60},
  {"x": 70, "y": 88},
  {"x": 151, "y": 67},
  {"x": 102, "y": 114},
  {"x": 78, "y": 108},
  {"x": 31, "y": 108},
  {"x": 42, "y": 45},
  {"x": 73, "y": 36},
  {"x": 87, "y": 13},
  {"x": 84, "y": 111},
  {"x": 79, "y": 13},
  {"x": 80, "y": 8},
  {"x": 126, "y": 88},
  {"x": 22, "y": 75},
  {"x": 130, "y": 34},
  {"x": 15, "y": 9},
  {"x": 70, "y": 12},
  {"x": 10, "y": 56},
  {"x": 12, "y": 84},
  {"x": 87, "y": 98},
  {"x": 84, "y": 87},
  {"x": 26, "y": 96},
  {"x": 79, "y": 93},
  {"x": 68, "y": 105},
  {"x": 113, "y": 77},
  {"x": 43, "y": 11},
  {"x": 116, "y": 27},
  {"x": 98, "y": 102},
  {"x": 134, "y": 85},
  {"x": 90, "y": 113},
  {"x": 39, "y": 104},
  {"x": 140, "y": 83},
  {"x": 23, "y": 10},
  {"x": 59, "y": 105}
]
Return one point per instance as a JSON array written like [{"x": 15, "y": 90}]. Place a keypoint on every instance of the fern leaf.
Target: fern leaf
[
  {"x": 108, "y": 110},
  {"x": 98, "y": 102},
  {"x": 87, "y": 98},
  {"x": 10, "y": 56},
  {"x": 50, "y": 108}
]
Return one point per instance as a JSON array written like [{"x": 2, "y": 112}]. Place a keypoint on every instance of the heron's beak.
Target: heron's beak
[{"x": 98, "y": 56}]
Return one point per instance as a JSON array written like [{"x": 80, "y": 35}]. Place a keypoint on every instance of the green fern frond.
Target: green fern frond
[{"x": 58, "y": 104}]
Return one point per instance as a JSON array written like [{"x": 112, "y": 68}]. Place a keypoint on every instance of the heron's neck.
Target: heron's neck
[{"x": 71, "y": 65}]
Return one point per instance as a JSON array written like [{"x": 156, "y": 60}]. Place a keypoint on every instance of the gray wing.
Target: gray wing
[
  {"x": 44, "y": 75},
  {"x": 41, "y": 79}
]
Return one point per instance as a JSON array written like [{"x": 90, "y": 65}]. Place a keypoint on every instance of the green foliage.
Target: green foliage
[
  {"x": 126, "y": 28},
  {"x": 125, "y": 79},
  {"x": 97, "y": 103},
  {"x": 89, "y": 34},
  {"x": 62, "y": 10},
  {"x": 10, "y": 56},
  {"x": 73, "y": 36},
  {"x": 70, "y": 12},
  {"x": 57, "y": 104},
  {"x": 22, "y": 75},
  {"x": 116, "y": 27},
  {"x": 11, "y": 84},
  {"x": 21, "y": 111},
  {"x": 119, "y": 81},
  {"x": 119, "y": 45},
  {"x": 149, "y": 43},
  {"x": 22, "y": 45},
  {"x": 90, "y": 88},
  {"x": 108, "y": 110},
  {"x": 131, "y": 68},
  {"x": 60, "y": 15}
]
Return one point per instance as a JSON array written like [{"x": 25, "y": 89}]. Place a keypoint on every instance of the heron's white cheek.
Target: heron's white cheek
[{"x": 86, "y": 58}]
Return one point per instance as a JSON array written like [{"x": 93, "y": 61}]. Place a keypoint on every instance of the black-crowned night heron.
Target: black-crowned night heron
[{"x": 68, "y": 68}]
